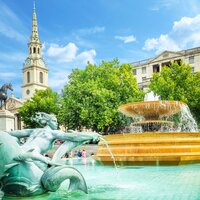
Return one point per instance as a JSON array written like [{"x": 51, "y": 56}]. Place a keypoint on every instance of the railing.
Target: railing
[{"x": 141, "y": 62}]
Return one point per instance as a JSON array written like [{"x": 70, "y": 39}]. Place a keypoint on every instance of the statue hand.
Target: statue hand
[
  {"x": 95, "y": 136},
  {"x": 84, "y": 136}
]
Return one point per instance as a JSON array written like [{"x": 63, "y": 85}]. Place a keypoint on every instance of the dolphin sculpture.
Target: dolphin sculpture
[{"x": 20, "y": 174}]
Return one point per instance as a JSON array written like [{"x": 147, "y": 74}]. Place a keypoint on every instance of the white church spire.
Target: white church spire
[
  {"x": 34, "y": 36},
  {"x": 35, "y": 70}
]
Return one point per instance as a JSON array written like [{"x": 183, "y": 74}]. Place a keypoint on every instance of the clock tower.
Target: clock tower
[{"x": 35, "y": 71}]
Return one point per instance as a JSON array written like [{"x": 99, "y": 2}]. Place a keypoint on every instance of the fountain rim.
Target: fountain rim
[
  {"x": 153, "y": 121},
  {"x": 149, "y": 102},
  {"x": 144, "y": 105}
]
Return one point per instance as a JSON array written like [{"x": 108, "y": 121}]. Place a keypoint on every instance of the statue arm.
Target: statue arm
[
  {"x": 76, "y": 136},
  {"x": 21, "y": 133}
]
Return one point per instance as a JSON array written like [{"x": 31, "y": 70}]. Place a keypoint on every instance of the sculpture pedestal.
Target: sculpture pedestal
[{"x": 6, "y": 120}]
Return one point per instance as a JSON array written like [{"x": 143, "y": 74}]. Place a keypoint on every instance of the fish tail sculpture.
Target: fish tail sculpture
[{"x": 54, "y": 176}]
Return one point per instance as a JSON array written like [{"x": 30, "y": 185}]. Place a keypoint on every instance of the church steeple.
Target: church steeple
[
  {"x": 35, "y": 70},
  {"x": 34, "y": 36}
]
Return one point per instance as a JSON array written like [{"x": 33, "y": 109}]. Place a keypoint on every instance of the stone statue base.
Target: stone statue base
[{"x": 6, "y": 120}]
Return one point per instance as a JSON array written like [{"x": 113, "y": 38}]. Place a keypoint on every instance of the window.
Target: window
[
  {"x": 30, "y": 50},
  {"x": 192, "y": 70},
  {"x": 167, "y": 64},
  {"x": 191, "y": 59},
  {"x": 135, "y": 72},
  {"x": 38, "y": 50},
  {"x": 34, "y": 50},
  {"x": 27, "y": 92},
  {"x": 156, "y": 68},
  {"x": 144, "y": 78},
  {"x": 28, "y": 77},
  {"x": 41, "y": 77},
  {"x": 178, "y": 62},
  {"x": 144, "y": 70}
]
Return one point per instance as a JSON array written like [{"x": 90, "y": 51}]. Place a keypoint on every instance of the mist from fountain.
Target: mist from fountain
[
  {"x": 150, "y": 96},
  {"x": 187, "y": 122}
]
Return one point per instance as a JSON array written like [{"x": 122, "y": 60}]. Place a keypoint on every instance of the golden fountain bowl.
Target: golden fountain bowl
[
  {"x": 151, "y": 109},
  {"x": 153, "y": 121}
]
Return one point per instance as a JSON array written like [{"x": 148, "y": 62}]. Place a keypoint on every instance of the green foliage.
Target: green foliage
[
  {"x": 92, "y": 96},
  {"x": 178, "y": 83},
  {"x": 42, "y": 101}
]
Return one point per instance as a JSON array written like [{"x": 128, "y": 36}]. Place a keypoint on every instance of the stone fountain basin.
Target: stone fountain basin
[
  {"x": 151, "y": 109},
  {"x": 150, "y": 148}
]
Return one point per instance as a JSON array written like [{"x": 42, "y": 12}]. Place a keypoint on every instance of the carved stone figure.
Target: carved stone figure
[
  {"x": 25, "y": 171},
  {"x": 3, "y": 94}
]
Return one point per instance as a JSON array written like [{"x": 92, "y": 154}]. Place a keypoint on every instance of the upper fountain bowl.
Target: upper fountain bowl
[{"x": 151, "y": 109}]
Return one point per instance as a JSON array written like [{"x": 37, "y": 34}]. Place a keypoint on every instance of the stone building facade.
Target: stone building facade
[{"x": 143, "y": 70}]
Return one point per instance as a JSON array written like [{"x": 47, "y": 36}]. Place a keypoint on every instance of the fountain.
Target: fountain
[
  {"x": 105, "y": 182},
  {"x": 175, "y": 146}
]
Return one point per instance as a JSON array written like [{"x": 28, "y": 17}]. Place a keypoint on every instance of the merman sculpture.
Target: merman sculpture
[{"x": 25, "y": 171}]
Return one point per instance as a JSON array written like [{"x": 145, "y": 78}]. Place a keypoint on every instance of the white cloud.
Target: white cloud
[
  {"x": 191, "y": 7},
  {"x": 163, "y": 4},
  {"x": 63, "y": 54},
  {"x": 164, "y": 42},
  {"x": 87, "y": 56},
  {"x": 93, "y": 30},
  {"x": 187, "y": 23},
  {"x": 126, "y": 39},
  {"x": 69, "y": 54},
  {"x": 185, "y": 33}
]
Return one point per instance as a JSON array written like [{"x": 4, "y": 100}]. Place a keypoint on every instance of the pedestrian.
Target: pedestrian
[
  {"x": 84, "y": 160},
  {"x": 84, "y": 153},
  {"x": 79, "y": 153}
]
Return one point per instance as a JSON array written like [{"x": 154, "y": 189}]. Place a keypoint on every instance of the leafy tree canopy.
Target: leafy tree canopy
[
  {"x": 42, "y": 101},
  {"x": 178, "y": 83},
  {"x": 92, "y": 96}
]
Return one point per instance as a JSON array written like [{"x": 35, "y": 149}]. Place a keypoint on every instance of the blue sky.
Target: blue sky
[{"x": 73, "y": 32}]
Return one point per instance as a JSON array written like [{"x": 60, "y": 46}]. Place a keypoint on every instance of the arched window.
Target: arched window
[
  {"x": 30, "y": 50},
  {"x": 34, "y": 50},
  {"x": 28, "y": 77},
  {"x": 38, "y": 50},
  {"x": 41, "y": 77}
]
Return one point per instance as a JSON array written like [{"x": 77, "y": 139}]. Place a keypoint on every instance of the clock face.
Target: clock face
[
  {"x": 28, "y": 61},
  {"x": 41, "y": 62}
]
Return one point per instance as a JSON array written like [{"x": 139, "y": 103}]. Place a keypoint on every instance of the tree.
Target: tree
[
  {"x": 92, "y": 96},
  {"x": 42, "y": 101},
  {"x": 194, "y": 96},
  {"x": 178, "y": 83}
]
